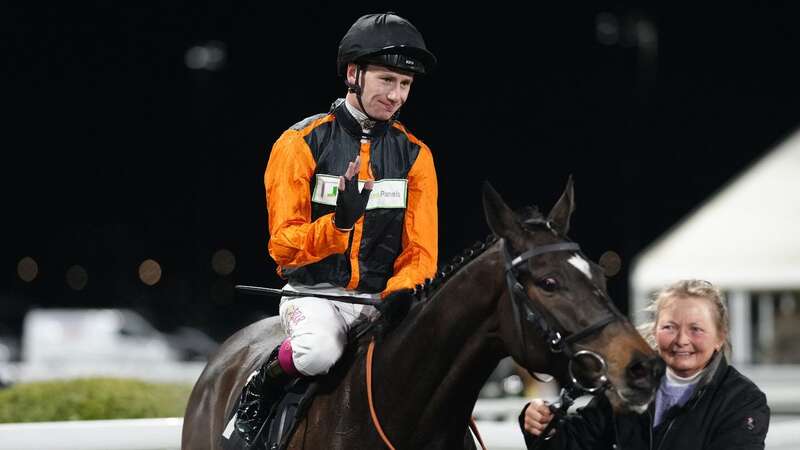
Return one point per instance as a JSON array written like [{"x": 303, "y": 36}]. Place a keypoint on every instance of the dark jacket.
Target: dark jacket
[
  {"x": 726, "y": 412},
  {"x": 393, "y": 246}
]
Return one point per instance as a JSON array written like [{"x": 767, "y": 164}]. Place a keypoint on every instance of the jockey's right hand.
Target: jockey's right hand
[
  {"x": 537, "y": 416},
  {"x": 351, "y": 204}
]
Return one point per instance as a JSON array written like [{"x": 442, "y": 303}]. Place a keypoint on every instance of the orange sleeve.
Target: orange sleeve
[
  {"x": 417, "y": 259},
  {"x": 294, "y": 240}
]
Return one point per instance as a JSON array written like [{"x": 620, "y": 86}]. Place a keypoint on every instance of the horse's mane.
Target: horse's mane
[{"x": 396, "y": 306}]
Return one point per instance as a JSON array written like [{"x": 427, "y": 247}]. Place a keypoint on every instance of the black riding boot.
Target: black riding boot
[{"x": 259, "y": 397}]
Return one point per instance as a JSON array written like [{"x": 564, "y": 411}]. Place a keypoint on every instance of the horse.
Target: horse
[{"x": 528, "y": 292}]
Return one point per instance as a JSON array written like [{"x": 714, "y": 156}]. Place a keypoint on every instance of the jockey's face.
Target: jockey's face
[{"x": 384, "y": 90}]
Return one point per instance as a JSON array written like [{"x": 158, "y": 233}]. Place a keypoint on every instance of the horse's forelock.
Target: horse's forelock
[
  {"x": 531, "y": 218},
  {"x": 530, "y": 215}
]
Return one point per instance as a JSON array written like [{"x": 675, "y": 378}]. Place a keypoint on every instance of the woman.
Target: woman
[{"x": 702, "y": 402}]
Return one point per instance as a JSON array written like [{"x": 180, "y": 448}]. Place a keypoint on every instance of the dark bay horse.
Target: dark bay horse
[{"x": 528, "y": 293}]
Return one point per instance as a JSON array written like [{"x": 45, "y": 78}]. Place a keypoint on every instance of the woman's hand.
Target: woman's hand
[{"x": 537, "y": 416}]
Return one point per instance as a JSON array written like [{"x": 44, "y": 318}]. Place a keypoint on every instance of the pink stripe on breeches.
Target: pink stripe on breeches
[{"x": 285, "y": 358}]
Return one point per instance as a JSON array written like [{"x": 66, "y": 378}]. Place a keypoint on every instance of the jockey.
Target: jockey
[{"x": 351, "y": 198}]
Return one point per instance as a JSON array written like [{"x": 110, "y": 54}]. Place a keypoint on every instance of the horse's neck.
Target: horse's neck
[{"x": 437, "y": 361}]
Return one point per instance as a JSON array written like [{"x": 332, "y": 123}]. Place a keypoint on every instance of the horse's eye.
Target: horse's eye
[{"x": 549, "y": 284}]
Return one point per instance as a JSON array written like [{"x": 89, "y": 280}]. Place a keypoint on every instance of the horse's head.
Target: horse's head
[{"x": 557, "y": 317}]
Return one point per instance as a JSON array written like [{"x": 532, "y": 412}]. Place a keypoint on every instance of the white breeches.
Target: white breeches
[{"x": 318, "y": 327}]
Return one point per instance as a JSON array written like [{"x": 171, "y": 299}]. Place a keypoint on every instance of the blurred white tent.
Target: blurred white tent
[{"x": 745, "y": 239}]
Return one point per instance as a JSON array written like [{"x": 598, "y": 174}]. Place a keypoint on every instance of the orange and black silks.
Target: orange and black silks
[{"x": 389, "y": 248}]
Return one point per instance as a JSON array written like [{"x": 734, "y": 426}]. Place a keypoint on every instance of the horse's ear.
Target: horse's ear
[
  {"x": 561, "y": 212},
  {"x": 499, "y": 216}
]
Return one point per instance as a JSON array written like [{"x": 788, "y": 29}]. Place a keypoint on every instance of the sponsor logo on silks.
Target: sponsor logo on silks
[
  {"x": 386, "y": 193},
  {"x": 332, "y": 192},
  {"x": 294, "y": 315}
]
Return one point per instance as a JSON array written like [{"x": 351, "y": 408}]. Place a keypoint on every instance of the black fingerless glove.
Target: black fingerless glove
[{"x": 350, "y": 204}]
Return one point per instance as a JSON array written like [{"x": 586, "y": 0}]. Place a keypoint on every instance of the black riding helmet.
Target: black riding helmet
[{"x": 385, "y": 39}]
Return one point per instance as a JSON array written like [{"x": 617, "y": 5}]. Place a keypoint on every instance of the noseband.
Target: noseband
[{"x": 526, "y": 310}]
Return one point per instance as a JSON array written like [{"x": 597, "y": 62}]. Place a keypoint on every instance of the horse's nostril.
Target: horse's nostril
[
  {"x": 638, "y": 370},
  {"x": 646, "y": 371}
]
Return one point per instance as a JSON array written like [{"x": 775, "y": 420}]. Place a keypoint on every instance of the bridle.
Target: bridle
[{"x": 526, "y": 311}]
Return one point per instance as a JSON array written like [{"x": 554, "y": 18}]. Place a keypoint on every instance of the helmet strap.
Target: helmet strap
[{"x": 355, "y": 87}]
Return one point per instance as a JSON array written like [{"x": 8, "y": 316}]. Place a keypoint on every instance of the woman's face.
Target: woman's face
[{"x": 687, "y": 334}]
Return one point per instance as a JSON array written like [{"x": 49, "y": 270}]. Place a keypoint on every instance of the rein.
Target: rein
[
  {"x": 372, "y": 413},
  {"x": 377, "y": 423}
]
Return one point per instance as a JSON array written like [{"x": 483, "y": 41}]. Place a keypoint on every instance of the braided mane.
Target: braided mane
[{"x": 424, "y": 290}]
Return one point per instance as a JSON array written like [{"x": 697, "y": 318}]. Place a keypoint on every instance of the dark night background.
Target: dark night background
[{"x": 114, "y": 151}]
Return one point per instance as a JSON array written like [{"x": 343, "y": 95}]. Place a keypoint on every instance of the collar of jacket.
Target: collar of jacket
[
  {"x": 714, "y": 371},
  {"x": 351, "y": 125}
]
